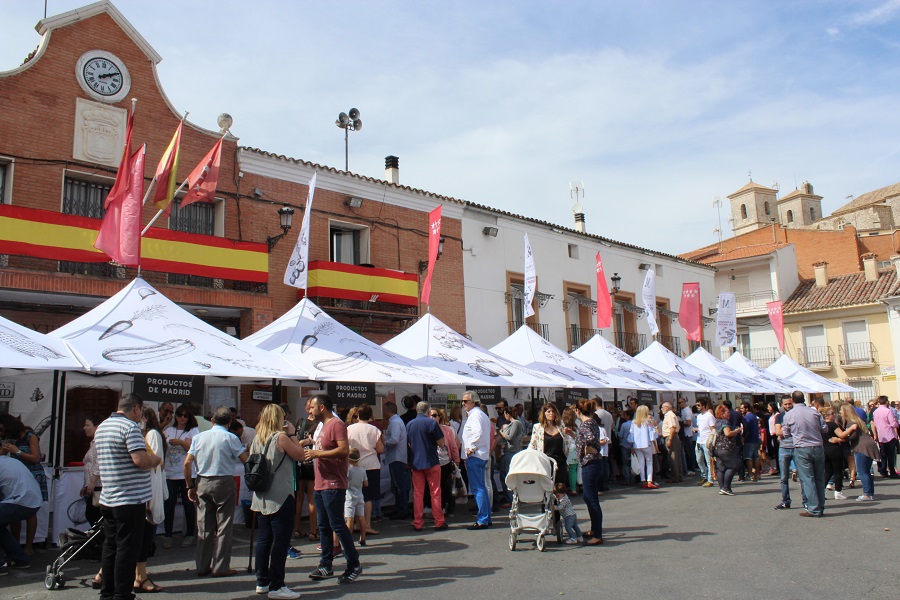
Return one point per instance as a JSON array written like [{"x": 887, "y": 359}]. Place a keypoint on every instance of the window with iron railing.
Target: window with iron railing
[
  {"x": 672, "y": 342},
  {"x": 542, "y": 329},
  {"x": 579, "y": 335},
  {"x": 816, "y": 357},
  {"x": 866, "y": 388},
  {"x": 197, "y": 217},
  {"x": 631, "y": 343},
  {"x": 692, "y": 345},
  {"x": 860, "y": 353},
  {"x": 86, "y": 198}
]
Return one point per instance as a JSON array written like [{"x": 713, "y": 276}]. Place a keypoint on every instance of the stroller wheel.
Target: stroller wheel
[
  {"x": 50, "y": 581},
  {"x": 540, "y": 542},
  {"x": 512, "y": 541}
]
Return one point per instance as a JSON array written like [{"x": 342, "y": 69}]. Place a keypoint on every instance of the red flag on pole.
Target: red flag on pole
[
  {"x": 167, "y": 172},
  {"x": 203, "y": 179},
  {"x": 604, "y": 300},
  {"x": 776, "y": 318},
  {"x": 434, "y": 243},
  {"x": 689, "y": 316},
  {"x": 120, "y": 232}
]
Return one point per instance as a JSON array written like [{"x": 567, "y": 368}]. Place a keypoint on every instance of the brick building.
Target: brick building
[{"x": 61, "y": 133}]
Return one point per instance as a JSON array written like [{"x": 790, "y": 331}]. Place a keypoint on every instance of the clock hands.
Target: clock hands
[{"x": 105, "y": 75}]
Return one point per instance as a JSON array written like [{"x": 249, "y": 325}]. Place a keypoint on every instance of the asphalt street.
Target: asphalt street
[{"x": 681, "y": 541}]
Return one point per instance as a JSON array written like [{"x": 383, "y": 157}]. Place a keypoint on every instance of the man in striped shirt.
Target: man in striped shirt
[{"x": 124, "y": 469}]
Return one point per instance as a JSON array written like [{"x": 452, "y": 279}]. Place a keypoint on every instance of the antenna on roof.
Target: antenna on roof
[
  {"x": 576, "y": 192},
  {"x": 717, "y": 202}
]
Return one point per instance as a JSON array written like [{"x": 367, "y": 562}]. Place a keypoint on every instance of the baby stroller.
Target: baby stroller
[
  {"x": 72, "y": 543},
  {"x": 530, "y": 478}
]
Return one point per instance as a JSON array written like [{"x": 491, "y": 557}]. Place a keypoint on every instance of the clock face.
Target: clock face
[{"x": 103, "y": 76}]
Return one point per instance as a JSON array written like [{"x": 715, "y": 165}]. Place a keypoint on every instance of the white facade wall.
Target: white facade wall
[{"x": 486, "y": 261}]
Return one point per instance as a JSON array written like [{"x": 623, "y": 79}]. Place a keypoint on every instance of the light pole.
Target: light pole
[{"x": 348, "y": 122}]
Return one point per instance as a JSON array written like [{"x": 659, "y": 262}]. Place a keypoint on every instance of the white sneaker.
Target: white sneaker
[
  {"x": 580, "y": 540},
  {"x": 571, "y": 541},
  {"x": 284, "y": 593},
  {"x": 839, "y": 496},
  {"x": 262, "y": 589}
]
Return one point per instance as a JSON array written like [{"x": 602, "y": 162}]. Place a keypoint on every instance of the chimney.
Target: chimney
[
  {"x": 821, "y": 270},
  {"x": 870, "y": 266},
  {"x": 579, "y": 222},
  {"x": 392, "y": 169}
]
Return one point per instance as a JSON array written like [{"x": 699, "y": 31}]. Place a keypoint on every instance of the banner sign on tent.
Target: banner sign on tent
[
  {"x": 57, "y": 236},
  {"x": 7, "y": 390},
  {"x": 351, "y": 394},
  {"x": 488, "y": 395},
  {"x": 177, "y": 389},
  {"x": 573, "y": 395},
  {"x": 646, "y": 397},
  {"x": 726, "y": 321}
]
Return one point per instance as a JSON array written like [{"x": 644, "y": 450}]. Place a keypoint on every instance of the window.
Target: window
[
  {"x": 815, "y": 347},
  {"x": 812, "y": 213},
  {"x": 85, "y": 198},
  {"x": 743, "y": 211},
  {"x": 857, "y": 349},
  {"x": 766, "y": 208},
  {"x": 573, "y": 251},
  {"x": 866, "y": 389},
  {"x": 349, "y": 243},
  {"x": 4, "y": 182},
  {"x": 790, "y": 216},
  {"x": 659, "y": 270}
]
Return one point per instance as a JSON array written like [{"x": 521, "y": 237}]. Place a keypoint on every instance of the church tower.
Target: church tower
[
  {"x": 801, "y": 207},
  {"x": 752, "y": 207}
]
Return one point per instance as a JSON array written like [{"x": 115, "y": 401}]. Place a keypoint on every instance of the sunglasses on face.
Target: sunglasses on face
[
  {"x": 435, "y": 416},
  {"x": 181, "y": 415}
]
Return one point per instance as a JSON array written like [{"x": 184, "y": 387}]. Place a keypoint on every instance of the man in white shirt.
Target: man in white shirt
[
  {"x": 686, "y": 416},
  {"x": 476, "y": 441},
  {"x": 605, "y": 420},
  {"x": 706, "y": 424}
]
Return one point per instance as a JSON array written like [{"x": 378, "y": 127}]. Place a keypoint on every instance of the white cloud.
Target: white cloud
[{"x": 881, "y": 14}]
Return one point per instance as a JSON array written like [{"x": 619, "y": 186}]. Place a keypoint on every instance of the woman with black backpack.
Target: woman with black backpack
[{"x": 273, "y": 499}]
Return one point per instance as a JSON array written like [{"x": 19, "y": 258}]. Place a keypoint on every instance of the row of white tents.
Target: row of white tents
[{"x": 139, "y": 330}]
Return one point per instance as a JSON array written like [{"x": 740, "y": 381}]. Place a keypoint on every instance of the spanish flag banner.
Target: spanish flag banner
[
  {"x": 367, "y": 284},
  {"x": 57, "y": 236}
]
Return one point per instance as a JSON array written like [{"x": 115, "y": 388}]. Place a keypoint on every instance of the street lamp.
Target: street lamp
[
  {"x": 286, "y": 217},
  {"x": 348, "y": 122},
  {"x": 616, "y": 280}
]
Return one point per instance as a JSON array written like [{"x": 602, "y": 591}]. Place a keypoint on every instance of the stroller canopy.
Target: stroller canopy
[{"x": 530, "y": 469}]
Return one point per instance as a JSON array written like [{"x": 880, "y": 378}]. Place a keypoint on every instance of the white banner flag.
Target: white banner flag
[
  {"x": 648, "y": 293},
  {"x": 530, "y": 278},
  {"x": 726, "y": 321},
  {"x": 296, "y": 272}
]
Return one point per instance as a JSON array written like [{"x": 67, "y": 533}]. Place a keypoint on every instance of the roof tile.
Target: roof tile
[{"x": 843, "y": 290}]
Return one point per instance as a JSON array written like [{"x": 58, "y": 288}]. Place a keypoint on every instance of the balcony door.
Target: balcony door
[
  {"x": 856, "y": 342},
  {"x": 815, "y": 346}
]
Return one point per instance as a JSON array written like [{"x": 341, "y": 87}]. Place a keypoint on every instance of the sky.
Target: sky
[{"x": 655, "y": 108}]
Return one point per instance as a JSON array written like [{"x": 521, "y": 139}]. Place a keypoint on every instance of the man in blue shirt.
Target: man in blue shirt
[
  {"x": 216, "y": 452},
  {"x": 20, "y": 497},
  {"x": 751, "y": 441},
  {"x": 396, "y": 455},
  {"x": 425, "y": 436}
]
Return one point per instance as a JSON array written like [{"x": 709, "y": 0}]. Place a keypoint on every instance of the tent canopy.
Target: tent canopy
[
  {"x": 141, "y": 331},
  {"x": 23, "y": 348},
  {"x": 705, "y": 361},
  {"x": 742, "y": 364},
  {"x": 439, "y": 346},
  {"x": 313, "y": 341},
  {"x": 661, "y": 358},
  {"x": 601, "y": 353},
  {"x": 527, "y": 348},
  {"x": 789, "y": 370}
]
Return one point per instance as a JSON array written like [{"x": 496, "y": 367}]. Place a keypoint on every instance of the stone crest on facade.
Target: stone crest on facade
[{"x": 99, "y": 132}]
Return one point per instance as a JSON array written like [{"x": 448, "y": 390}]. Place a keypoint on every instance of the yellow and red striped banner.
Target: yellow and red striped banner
[
  {"x": 57, "y": 236},
  {"x": 368, "y": 284}
]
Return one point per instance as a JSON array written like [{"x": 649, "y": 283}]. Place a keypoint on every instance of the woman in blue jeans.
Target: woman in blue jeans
[
  {"x": 276, "y": 505},
  {"x": 864, "y": 448},
  {"x": 593, "y": 448}
]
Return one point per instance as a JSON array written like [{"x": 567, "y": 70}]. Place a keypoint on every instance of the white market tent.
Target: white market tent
[
  {"x": 439, "y": 346},
  {"x": 312, "y": 340},
  {"x": 23, "y": 348},
  {"x": 661, "y": 358},
  {"x": 141, "y": 331},
  {"x": 742, "y": 364},
  {"x": 705, "y": 361},
  {"x": 601, "y": 353},
  {"x": 527, "y": 348},
  {"x": 786, "y": 368}
]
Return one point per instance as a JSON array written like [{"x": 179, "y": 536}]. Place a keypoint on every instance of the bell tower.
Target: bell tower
[{"x": 752, "y": 207}]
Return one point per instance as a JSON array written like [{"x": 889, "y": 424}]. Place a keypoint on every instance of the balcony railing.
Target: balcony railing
[
  {"x": 631, "y": 343},
  {"x": 859, "y": 355},
  {"x": 694, "y": 345},
  {"x": 672, "y": 342},
  {"x": 579, "y": 335},
  {"x": 816, "y": 358},
  {"x": 541, "y": 329},
  {"x": 764, "y": 357},
  {"x": 755, "y": 302}
]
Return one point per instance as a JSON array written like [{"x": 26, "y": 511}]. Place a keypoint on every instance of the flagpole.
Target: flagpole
[{"x": 180, "y": 187}]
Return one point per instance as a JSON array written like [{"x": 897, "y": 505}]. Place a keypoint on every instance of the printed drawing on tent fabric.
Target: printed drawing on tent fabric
[
  {"x": 149, "y": 313},
  {"x": 23, "y": 345},
  {"x": 323, "y": 329},
  {"x": 343, "y": 364}
]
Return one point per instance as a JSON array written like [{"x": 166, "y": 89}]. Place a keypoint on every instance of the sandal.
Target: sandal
[
  {"x": 298, "y": 533},
  {"x": 143, "y": 586},
  {"x": 96, "y": 584},
  {"x": 313, "y": 536}
]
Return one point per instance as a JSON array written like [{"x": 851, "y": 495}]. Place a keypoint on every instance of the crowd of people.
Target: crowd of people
[{"x": 140, "y": 463}]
